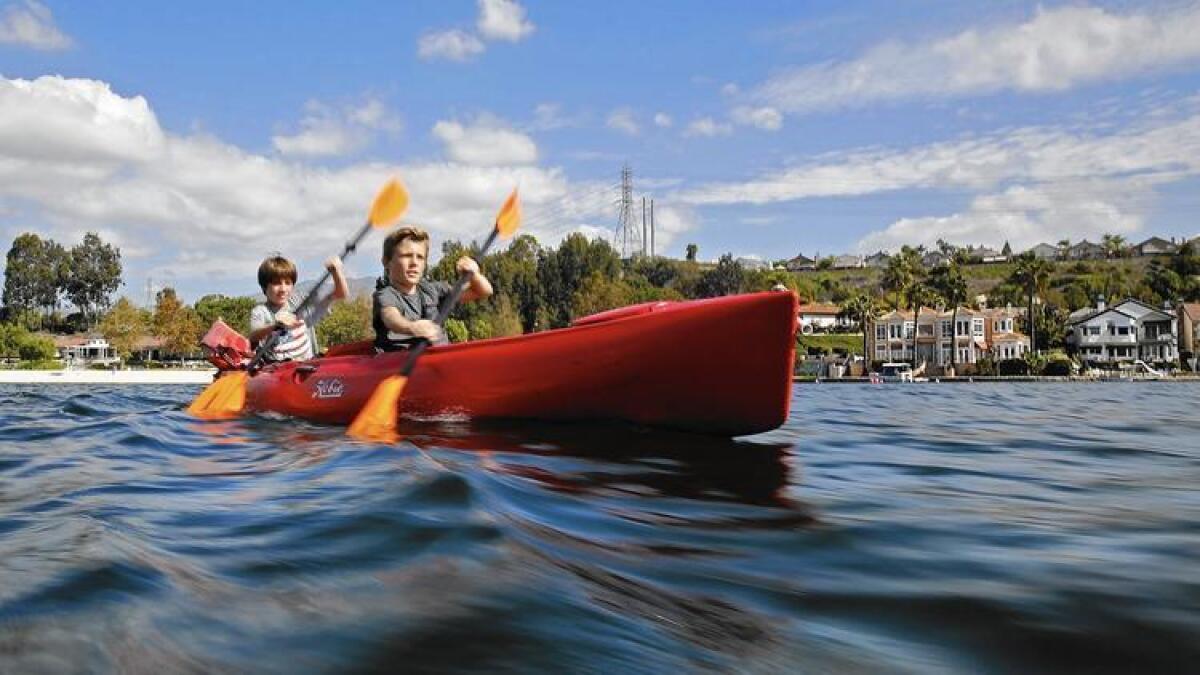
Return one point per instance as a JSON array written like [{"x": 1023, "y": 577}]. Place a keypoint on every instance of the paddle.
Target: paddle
[
  {"x": 377, "y": 418},
  {"x": 227, "y": 395}
]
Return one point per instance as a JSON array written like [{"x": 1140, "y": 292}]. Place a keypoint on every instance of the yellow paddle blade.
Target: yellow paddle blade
[
  {"x": 389, "y": 205},
  {"x": 509, "y": 218},
  {"x": 222, "y": 399},
  {"x": 377, "y": 419}
]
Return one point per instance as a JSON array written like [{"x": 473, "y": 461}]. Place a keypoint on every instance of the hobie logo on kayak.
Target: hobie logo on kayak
[{"x": 332, "y": 388}]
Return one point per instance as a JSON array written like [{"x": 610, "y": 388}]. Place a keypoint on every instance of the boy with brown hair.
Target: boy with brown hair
[
  {"x": 404, "y": 308},
  {"x": 277, "y": 278}
]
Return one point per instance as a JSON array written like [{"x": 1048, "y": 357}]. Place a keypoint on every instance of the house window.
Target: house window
[
  {"x": 946, "y": 329},
  {"x": 894, "y": 331},
  {"x": 962, "y": 328},
  {"x": 1093, "y": 330},
  {"x": 908, "y": 329},
  {"x": 881, "y": 332},
  {"x": 977, "y": 326},
  {"x": 1122, "y": 330}
]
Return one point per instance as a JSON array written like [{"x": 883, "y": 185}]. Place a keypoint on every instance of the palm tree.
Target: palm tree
[
  {"x": 1064, "y": 245},
  {"x": 903, "y": 270},
  {"x": 1031, "y": 275},
  {"x": 863, "y": 309},
  {"x": 918, "y": 296},
  {"x": 950, "y": 284},
  {"x": 1114, "y": 245}
]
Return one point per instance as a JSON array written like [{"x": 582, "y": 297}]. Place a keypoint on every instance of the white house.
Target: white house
[
  {"x": 1127, "y": 331},
  {"x": 1045, "y": 251},
  {"x": 820, "y": 318}
]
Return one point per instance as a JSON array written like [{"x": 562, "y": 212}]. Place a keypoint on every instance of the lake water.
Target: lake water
[{"x": 986, "y": 528}]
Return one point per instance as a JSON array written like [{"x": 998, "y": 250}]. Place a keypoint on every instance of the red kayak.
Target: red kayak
[{"x": 719, "y": 366}]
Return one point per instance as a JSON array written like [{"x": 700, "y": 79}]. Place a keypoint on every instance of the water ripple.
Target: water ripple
[{"x": 914, "y": 529}]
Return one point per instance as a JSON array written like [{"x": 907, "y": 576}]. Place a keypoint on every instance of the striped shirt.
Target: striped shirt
[{"x": 300, "y": 342}]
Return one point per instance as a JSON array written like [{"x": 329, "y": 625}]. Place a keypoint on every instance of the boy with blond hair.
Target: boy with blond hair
[{"x": 405, "y": 307}]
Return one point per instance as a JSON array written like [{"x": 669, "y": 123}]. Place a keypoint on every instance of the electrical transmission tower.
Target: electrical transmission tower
[{"x": 628, "y": 236}]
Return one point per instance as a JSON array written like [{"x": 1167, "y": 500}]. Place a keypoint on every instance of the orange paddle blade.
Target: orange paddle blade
[
  {"x": 377, "y": 419},
  {"x": 509, "y": 218},
  {"x": 222, "y": 399},
  {"x": 389, "y": 204}
]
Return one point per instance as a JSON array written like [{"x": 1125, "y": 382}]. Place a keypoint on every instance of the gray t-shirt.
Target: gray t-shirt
[
  {"x": 421, "y": 304},
  {"x": 300, "y": 343}
]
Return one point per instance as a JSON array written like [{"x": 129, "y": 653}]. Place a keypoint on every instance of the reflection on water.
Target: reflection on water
[{"x": 989, "y": 528}]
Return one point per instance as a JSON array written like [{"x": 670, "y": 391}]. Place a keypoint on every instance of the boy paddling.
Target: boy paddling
[
  {"x": 277, "y": 278},
  {"x": 403, "y": 310}
]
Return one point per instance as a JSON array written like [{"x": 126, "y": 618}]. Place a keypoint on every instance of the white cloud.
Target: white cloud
[
  {"x": 31, "y": 24},
  {"x": 663, "y": 120},
  {"x": 549, "y": 116},
  {"x": 487, "y": 142},
  {"x": 76, "y": 156},
  {"x": 730, "y": 89},
  {"x": 503, "y": 20},
  {"x": 622, "y": 120},
  {"x": 1025, "y": 185},
  {"x": 766, "y": 118},
  {"x": 453, "y": 45},
  {"x": 328, "y": 131},
  {"x": 706, "y": 126},
  {"x": 1025, "y": 216},
  {"x": 1056, "y": 49}
]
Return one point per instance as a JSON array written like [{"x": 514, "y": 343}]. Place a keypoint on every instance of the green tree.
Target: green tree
[
  {"x": 456, "y": 331},
  {"x": 903, "y": 271},
  {"x": 234, "y": 311},
  {"x": 347, "y": 322},
  {"x": 95, "y": 275},
  {"x": 176, "y": 324},
  {"x": 561, "y": 271},
  {"x": 950, "y": 285},
  {"x": 1163, "y": 281},
  {"x": 1031, "y": 274},
  {"x": 919, "y": 296},
  {"x": 726, "y": 278},
  {"x": 599, "y": 294},
  {"x": 34, "y": 277},
  {"x": 1114, "y": 245},
  {"x": 862, "y": 309},
  {"x": 692, "y": 250},
  {"x": 123, "y": 326}
]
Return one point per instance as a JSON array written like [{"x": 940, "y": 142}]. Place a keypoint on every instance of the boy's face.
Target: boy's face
[
  {"x": 277, "y": 291},
  {"x": 408, "y": 263}
]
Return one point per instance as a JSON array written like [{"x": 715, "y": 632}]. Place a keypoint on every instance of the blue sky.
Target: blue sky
[{"x": 202, "y": 137}]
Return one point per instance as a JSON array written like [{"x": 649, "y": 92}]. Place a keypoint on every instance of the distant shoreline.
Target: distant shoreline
[
  {"x": 801, "y": 379},
  {"x": 81, "y": 376}
]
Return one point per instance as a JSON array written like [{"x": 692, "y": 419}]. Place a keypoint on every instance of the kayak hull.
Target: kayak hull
[{"x": 719, "y": 366}]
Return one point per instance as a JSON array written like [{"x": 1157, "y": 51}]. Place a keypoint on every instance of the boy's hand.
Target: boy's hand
[
  {"x": 426, "y": 329},
  {"x": 334, "y": 263},
  {"x": 286, "y": 320},
  {"x": 466, "y": 264}
]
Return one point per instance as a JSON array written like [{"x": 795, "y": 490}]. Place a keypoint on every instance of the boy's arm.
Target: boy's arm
[
  {"x": 340, "y": 288},
  {"x": 479, "y": 286},
  {"x": 397, "y": 323},
  {"x": 261, "y": 326}
]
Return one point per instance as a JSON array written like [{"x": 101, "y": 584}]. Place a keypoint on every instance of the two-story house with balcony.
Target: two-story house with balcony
[
  {"x": 973, "y": 334},
  {"x": 1123, "y": 333}
]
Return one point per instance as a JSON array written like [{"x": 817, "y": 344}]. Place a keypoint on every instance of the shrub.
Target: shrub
[
  {"x": 1057, "y": 367},
  {"x": 1009, "y": 367}
]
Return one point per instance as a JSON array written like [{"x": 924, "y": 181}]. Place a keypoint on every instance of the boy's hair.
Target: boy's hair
[
  {"x": 275, "y": 268},
  {"x": 393, "y": 240}
]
